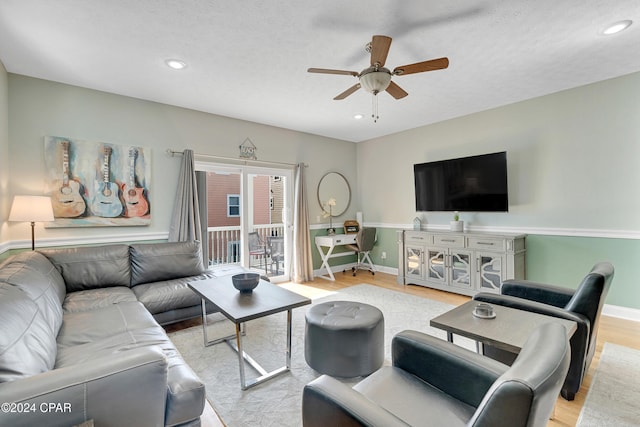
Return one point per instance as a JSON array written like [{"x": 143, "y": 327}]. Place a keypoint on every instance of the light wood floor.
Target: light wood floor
[{"x": 613, "y": 330}]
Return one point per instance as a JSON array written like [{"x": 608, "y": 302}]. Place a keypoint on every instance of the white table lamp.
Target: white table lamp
[{"x": 31, "y": 209}]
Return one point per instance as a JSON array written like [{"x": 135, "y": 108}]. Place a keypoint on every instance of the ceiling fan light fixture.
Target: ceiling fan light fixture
[{"x": 375, "y": 81}]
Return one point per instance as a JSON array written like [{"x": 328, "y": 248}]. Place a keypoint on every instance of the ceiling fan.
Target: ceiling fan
[{"x": 376, "y": 78}]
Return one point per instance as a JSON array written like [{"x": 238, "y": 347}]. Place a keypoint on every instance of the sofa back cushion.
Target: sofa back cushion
[
  {"x": 92, "y": 267},
  {"x": 27, "y": 345},
  {"x": 32, "y": 273},
  {"x": 154, "y": 262}
]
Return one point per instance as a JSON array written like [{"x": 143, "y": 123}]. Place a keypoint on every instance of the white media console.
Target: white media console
[{"x": 460, "y": 262}]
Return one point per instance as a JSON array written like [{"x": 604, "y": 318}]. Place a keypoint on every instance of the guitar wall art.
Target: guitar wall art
[{"x": 95, "y": 184}]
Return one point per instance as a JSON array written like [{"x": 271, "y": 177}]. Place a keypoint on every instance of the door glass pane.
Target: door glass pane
[
  {"x": 461, "y": 269},
  {"x": 223, "y": 212},
  {"x": 490, "y": 272},
  {"x": 414, "y": 261},
  {"x": 267, "y": 219},
  {"x": 436, "y": 265}
]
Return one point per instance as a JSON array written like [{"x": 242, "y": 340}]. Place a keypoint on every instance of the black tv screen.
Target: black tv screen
[{"x": 467, "y": 184}]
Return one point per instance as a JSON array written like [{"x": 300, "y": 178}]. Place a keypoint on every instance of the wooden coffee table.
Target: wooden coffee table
[
  {"x": 265, "y": 299},
  {"x": 508, "y": 331}
]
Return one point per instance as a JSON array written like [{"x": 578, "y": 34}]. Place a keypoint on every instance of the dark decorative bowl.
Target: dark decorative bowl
[{"x": 245, "y": 282}]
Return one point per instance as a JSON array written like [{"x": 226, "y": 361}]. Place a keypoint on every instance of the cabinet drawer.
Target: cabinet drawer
[
  {"x": 417, "y": 237},
  {"x": 453, "y": 241},
  {"x": 486, "y": 243}
]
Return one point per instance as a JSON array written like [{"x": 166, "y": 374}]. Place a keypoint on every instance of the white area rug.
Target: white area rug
[
  {"x": 277, "y": 402},
  {"x": 614, "y": 395}
]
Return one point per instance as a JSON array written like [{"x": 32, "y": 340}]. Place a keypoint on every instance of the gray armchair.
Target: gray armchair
[
  {"x": 582, "y": 305},
  {"x": 435, "y": 383}
]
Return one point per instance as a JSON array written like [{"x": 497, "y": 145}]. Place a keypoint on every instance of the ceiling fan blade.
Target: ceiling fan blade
[
  {"x": 380, "y": 49},
  {"x": 396, "y": 91},
  {"x": 326, "y": 71},
  {"x": 420, "y": 67},
  {"x": 347, "y": 92}
]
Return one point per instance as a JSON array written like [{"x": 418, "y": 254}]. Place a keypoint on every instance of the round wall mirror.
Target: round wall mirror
[{"x": 334, "y": 188}]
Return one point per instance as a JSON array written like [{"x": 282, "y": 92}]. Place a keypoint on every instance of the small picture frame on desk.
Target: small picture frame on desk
[{"x": 331, "y": 231}]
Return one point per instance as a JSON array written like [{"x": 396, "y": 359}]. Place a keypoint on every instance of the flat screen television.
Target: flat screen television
[{"x": 467, "y": 184}]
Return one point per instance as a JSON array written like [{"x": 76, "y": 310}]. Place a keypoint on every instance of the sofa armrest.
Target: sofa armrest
[
  {"x": 463, "y": 374},
  {"x": 328, "y": 402},
  {"x": 127, "y": 388},
  {"x": 539, "y": 292}
]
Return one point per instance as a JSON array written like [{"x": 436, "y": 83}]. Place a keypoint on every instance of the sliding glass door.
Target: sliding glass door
[{"x": 249, "y": 217}]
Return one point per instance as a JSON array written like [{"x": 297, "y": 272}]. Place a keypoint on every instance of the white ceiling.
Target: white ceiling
[{"x": 248, "y": 59}]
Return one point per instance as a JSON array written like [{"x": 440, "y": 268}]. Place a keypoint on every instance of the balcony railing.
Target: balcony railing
[{"x": 224, "y": 242}]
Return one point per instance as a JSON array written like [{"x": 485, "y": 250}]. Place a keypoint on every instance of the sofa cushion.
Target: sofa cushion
[
  {"x": 92, "y": 326},
  {"x": 168, "y": 295},
  {"x": 92, "y": 267},
  {"x": 92, "y": 299},
  {"x": 27, "y": 344},
  {"x": 38, "y": 278},
  {"x": 153, "y": 262},
  {"x": 120, "y": 328}
]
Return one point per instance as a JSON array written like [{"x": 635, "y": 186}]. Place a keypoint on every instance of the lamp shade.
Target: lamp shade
[{"x": 31, "y": 209}]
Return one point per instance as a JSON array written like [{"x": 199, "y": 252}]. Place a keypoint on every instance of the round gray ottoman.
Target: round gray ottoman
[{"x": 344, "y": 338}]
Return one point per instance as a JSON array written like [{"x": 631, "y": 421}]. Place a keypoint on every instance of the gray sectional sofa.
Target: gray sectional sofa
[{"x": 82, "y": 339}]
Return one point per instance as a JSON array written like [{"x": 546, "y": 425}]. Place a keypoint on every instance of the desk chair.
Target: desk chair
[
  {"x": 258, "y": 249},
  {"x": 365, "y": 239}
]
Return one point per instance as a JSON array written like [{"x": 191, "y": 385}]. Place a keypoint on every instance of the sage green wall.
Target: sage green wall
[
  {"x": 4, "y": 154},
  {"x": 574, "y": 170},
  {"x": 39, "y": 107}
]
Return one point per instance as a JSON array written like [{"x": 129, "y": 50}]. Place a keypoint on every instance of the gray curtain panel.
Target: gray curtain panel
[
  {"x": 185, "y": 221},
  {"x": 201, "y": 178},
  {"x": 302, "y": 261}
]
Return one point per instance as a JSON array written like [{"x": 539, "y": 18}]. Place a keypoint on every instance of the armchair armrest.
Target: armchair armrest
[
  {"x": 458, "y": 372},
  {"x": 133, "y": 383},
  {"x": 328, "y": 402},
  {"x": 539, "y": 292}
]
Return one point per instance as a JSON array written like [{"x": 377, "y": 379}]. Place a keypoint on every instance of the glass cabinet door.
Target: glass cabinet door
[
  {"x": 460, "y": 269},
  {"x": 436, "y": 265},
  {"x": 490, "y": 269},
  {"x": 414, "y": 262}
]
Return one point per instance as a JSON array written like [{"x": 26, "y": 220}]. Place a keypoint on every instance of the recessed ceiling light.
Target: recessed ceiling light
[
  {"x": 617, "y": 27},
  {"x": 358, "y": 116},
  {"x": 176, "y": 64}
]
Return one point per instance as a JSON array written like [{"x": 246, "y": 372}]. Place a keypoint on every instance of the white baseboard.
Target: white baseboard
[{"x": 621, "y": 312}]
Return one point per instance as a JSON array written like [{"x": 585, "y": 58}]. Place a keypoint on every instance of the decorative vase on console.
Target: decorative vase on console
[
  {"x": 456, "y": 224},
  {"x": 330, "y": 203}
]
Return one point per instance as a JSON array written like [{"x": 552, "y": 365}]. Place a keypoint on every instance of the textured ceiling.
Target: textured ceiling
[{"x": 248, "y": 59}]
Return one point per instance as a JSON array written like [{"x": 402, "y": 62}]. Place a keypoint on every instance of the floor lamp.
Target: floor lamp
[{"x": 31, "y": 209}]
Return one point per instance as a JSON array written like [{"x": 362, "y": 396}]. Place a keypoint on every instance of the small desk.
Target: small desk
[
  {"x": 330, "y": 243},
  {"x": 265, "y": 299},
  {"x": 508, "y": 331}
]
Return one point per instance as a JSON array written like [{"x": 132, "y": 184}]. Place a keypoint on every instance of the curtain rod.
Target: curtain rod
[{"x": 245, "y": 161}]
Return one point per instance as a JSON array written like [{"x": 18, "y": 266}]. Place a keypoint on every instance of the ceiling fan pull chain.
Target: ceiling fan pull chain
[{"x": 374, "y": 108}]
